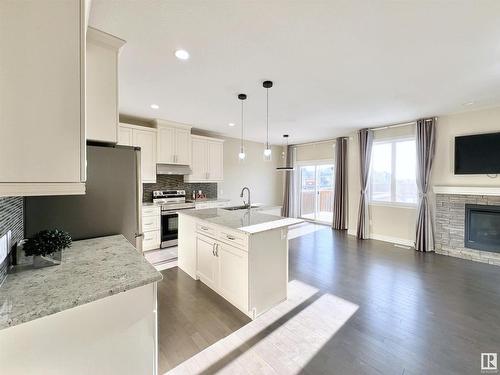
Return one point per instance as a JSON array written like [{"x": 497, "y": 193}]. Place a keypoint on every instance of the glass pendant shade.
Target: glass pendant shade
[
  {"x": 267, "y": 153},
  {"x": 242, "y": 154}
]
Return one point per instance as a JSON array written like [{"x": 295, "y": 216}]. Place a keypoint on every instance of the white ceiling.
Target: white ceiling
[{"x": 337, "y": 65}]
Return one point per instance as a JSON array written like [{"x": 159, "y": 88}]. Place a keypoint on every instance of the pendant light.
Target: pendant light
[
  {"x": 267, "y": 151},
  {"x": 242, "y": 154},
  {"x": 287, "y": 167}
]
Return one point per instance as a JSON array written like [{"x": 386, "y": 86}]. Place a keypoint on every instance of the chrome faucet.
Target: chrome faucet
[{"x": 241, "y": 196}]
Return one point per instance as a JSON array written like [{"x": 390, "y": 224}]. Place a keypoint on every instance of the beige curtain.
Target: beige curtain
[
  {"x": 426, "y": 135},
  {"x": 340, "y": 189},
  {"x": 365, "y": 153}
]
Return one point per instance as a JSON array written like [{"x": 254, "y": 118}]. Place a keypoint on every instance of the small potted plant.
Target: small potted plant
[{"x": 46, "y": 247}]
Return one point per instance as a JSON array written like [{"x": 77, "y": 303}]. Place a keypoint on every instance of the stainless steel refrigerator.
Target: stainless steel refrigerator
[{"x": 111, "y": 205}]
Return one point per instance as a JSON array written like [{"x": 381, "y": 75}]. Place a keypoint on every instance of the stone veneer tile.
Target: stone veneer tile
[{"x": 450, "y": 227}]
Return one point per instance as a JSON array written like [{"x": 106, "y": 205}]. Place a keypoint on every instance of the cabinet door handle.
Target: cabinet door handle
[
  {"x": 230, "y": 237},
  {"x": 217, "y": 250},
  {"x": 213, "y": 249}
]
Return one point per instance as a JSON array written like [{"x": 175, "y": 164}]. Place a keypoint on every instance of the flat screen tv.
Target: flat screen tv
[{"x": 477, "y": 154}]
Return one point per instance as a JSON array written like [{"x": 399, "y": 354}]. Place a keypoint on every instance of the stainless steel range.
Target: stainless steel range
[{"x": 171, "y": 201}]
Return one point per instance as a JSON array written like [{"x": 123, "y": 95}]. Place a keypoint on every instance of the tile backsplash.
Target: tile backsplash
[
  {"x": 11, "y": 218},
  {"x": 164, "y": 181}
]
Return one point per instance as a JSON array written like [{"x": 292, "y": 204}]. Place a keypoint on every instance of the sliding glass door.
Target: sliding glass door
[{"x": 316, "y": 191}]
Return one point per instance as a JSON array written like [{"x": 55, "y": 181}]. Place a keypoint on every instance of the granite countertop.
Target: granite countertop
[
  {"x": 248, "y": 221},
  {"x": 90, "y": 270}
]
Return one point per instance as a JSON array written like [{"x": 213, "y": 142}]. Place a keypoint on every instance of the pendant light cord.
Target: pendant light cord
[
  {"x": 267, "y": 118},
  {"x": 242, "y": 124}
]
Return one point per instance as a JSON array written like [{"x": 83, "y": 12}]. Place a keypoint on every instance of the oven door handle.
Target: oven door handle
[{"x": 163, "y": 213}]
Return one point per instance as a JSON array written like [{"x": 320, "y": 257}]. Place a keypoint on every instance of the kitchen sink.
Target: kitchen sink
[{"x": 234, "y": 208}]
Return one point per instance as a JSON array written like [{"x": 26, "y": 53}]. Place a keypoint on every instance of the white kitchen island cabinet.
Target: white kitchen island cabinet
[{"x": 242, "y": 255}]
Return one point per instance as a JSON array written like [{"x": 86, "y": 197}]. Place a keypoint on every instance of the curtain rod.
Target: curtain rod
[
  {"x": 398, "y": 125},
  {"x": 375, "y": 129},
  {"x": 314, "y": 143}
]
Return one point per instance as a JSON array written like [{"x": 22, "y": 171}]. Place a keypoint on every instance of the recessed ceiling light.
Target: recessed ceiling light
[
  {"x": 182, "y": 54},
  {"x": 231, "y": 124},
  {"x": 154, "y": 106},
  {"x": 468, "y": 103}
]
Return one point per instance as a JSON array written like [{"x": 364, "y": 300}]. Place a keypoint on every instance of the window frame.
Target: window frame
[
  {"x": 298, "y": 183},
  {"x": 392, "y": 203}
]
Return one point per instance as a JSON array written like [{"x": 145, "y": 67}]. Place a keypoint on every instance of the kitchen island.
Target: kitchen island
[
  {"x": 242, "y": 255},
  {"x": 93, "y": 314}
]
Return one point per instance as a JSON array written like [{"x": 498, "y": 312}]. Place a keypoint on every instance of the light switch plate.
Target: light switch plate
[{"x": 4, "y": 245}]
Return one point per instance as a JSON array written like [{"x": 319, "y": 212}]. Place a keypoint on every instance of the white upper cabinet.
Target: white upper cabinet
[
  {"x": 42, "y": 97},
  {"x": 174, "y": 143},
  {"x": 183, "y": 146},
  {"x": 102, "y": 85},
  {"x": 125, "y": 137},
  {"x": 145, "y": 138},
  {"x": 208, "y": 160},
  {"x": 166, "y": 153},
  {"x": 199, "y": 165},
  {"x": 215, "y": 161}
]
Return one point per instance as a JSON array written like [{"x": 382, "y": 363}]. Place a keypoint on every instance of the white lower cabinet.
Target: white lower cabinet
[
  {"x": 224, "y": 268},
  {"x": 207, "y": 261},
  {"x": 151, "y": 227},
  {"x": 233, "y": 275},
  {"x": 248, "y": 269}
]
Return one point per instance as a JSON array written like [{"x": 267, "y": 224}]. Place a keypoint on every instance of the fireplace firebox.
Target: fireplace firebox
[{"x": 482, "y": 227}]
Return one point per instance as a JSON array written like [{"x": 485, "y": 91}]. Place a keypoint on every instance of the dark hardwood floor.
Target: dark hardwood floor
[
  {"x": 418, "y": 313},
  {"x": 191, "y": 317}
]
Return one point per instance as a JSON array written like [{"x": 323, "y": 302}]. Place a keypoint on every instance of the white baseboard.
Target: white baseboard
[
  {"x": 394, "y": 240},
  {"x": 380, "y": 237}
]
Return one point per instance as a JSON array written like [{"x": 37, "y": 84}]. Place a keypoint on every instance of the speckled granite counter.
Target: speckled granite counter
[
  {"x": 249, "y": 221},
  {"x": 90, "y": 270}
]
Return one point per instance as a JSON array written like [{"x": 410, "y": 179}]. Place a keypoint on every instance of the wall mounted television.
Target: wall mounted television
[{"x": 477, "y": 154}]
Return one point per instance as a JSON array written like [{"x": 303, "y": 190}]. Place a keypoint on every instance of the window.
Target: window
[{"x": 393, "y": 171}]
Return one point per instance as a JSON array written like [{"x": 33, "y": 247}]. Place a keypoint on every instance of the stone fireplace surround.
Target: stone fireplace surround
[{"x": 450, "y": 220}]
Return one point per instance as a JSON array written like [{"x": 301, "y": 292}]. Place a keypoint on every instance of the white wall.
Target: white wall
[
  {"x": 484, "y": 121},
  {"x": 265, "y": 183},
  {"x": 315, "y": 151}
]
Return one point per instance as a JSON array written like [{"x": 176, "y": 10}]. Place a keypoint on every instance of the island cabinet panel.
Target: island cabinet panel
[
  {"x": 233, "y": 275},
  {"x": 187, "y": 244},
  {"x": 207, "y": 261}
]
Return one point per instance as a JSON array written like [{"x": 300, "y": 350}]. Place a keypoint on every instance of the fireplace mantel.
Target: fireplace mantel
[{"x": 467, "y": 190}]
